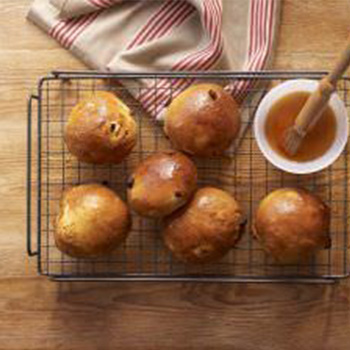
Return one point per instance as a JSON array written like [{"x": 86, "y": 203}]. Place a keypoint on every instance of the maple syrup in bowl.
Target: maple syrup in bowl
[{"x": 277, "y": 113}]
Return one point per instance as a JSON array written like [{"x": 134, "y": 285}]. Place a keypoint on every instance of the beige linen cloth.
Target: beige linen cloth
[{"x": 164, "y": 35}]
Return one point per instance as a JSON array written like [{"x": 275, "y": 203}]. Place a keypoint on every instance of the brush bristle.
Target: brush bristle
[{"x": 292, "y": 141}]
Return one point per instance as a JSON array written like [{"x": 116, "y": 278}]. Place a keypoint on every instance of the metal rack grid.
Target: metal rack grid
[{"x": 243, "y": 171}]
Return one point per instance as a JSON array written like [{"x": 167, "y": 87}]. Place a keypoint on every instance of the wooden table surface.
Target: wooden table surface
[{"x": 38, "y": 314}]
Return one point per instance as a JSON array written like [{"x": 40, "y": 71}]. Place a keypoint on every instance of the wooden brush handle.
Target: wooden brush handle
[
  {"x": 317, "y": 102},
  {"x": 341, "y": 65},
  {"x": 313, "y": 108}
]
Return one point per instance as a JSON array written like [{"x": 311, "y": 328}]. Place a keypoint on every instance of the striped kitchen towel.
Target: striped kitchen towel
[{"x": 164, "y": 35}]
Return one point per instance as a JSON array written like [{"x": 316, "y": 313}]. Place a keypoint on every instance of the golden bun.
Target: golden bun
[
  {"x": 206, "y": 228},
  {"x": 100, "y": 129},
  {"x": 92, "y": 221},
  {"x": 291, "y": 224},
  {"x": 162, "y": 183},
  {"x": 203, "y": 120}
]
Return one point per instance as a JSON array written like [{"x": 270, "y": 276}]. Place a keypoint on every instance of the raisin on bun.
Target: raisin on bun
[
  {"x": 162, "y": 183},
  {"x": 203, "y": 120},
  {"x": 100, "y": 129},
  {"x": 206, "y": 228}
]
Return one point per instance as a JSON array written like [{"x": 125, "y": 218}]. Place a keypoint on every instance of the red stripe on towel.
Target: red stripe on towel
[
  {"x": 102, "y": 4},
  {"x": 262, "y": 17},
  {"x": 201, "y": 60},
  {"x": 153, "y": 23},
  {"x": 67, "y": 31},
  {"x": 79, "y": 29}
]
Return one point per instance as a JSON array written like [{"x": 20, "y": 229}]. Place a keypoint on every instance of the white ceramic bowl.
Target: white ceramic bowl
[{"x": 342, "y": 128}]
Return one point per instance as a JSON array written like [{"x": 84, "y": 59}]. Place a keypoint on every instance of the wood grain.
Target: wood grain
[
  {"x": 179, "y": 316},
  {"x": 38, "y": 314}
]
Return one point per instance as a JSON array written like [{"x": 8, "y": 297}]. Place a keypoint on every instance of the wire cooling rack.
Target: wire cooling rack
[{"x": 243, "y": 171}]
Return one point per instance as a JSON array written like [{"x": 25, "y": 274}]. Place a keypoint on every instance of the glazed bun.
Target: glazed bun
[
  {"x": 203, "y": 120},
  {"x": 92, "y": 221},
  {"x": 100, "y": 129},
  {"x": 161, "y": 184},
  {"x": 206, "y": 228},
  {"x": 291, "y": 224}
]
